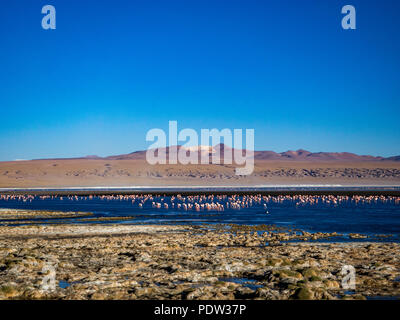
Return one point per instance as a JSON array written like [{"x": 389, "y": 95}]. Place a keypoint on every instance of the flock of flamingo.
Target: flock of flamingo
[{"x": 210, "y": 202}]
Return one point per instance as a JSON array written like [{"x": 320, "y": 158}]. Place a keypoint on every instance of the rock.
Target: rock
[
  {"x": 244, "y": 293},
  {"x": 331, "y": 284},
  {"x": 34, "y": 294},
  {"x": 267, "y": 293},
  {"x": 9, "y": 291},
  {"x": 357, "y": 236},
  {"x": 199, "y": 293},
  {"x": 287, "y": 274},
  {"x": 99, "y": 295},
  {"x": 142, "y": 292},
  {"x": 302, "y": 294},
  {"x": 143, "y": 257},
  {"x": 309, "y": 272},
  {"x": 273, "y": 262}
]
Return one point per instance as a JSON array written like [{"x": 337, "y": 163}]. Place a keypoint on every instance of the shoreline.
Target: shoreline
[
  {"x": 44, "y": 219},
  {"x": 318, "y": 189}
]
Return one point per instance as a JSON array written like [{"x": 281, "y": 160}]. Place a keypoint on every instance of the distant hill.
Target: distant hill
[
  {"x": 290, "y": 155},
  {"x": 298, "y": 155},
  {"x": 300, "y": 167},
  {"x": 304, "y": 155}
]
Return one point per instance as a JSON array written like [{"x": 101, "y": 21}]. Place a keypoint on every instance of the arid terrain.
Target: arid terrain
[
  {"x": 271, "y": 168},
  {"x": 100, "y": 172},
  {"x": 188, "y": 262}
]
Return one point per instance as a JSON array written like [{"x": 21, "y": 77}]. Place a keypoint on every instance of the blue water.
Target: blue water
[{"x": 369, "y": 218}]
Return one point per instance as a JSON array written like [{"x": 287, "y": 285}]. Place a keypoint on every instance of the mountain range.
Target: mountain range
[{"x": 290, "y": 155}]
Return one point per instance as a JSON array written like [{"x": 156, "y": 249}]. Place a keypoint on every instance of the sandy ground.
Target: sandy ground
[{"x": 88, "y": 172}]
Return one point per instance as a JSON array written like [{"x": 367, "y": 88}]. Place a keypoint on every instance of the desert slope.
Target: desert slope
[
  {"x": 271, "y": 168},
  {"x": 108, "y": 172}
]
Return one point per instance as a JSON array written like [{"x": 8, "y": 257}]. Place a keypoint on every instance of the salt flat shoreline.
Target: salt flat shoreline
[
  {"x": 261, "y": 189},
  {"x": 188, "y": 262}
]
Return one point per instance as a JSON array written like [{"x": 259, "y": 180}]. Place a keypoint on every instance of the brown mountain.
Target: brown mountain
[
  {"x": 290, "y": 155},
  {"x": 304, "y": 155}
]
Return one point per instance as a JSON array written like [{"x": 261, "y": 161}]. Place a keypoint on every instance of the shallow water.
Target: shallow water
[
  {"x": 368, "y": 218},
  {"x": 246, "y": 282}
]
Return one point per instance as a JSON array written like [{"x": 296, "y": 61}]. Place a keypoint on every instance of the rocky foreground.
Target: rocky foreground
[{"x": 186, "y": 262}]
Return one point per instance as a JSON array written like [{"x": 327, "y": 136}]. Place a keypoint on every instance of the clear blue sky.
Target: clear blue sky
[{"x": 112, "y": 70}]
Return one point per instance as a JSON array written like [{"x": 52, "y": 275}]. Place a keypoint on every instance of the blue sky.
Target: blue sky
[{"x": 112, "y": 70}]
